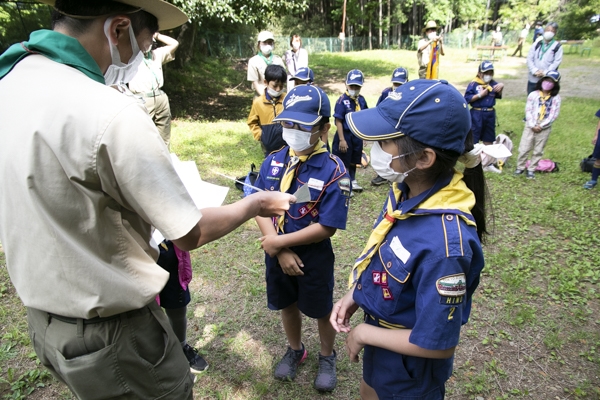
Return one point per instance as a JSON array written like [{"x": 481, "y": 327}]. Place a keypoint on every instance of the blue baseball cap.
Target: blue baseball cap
[
  {"x": 430, "y": 111},
  {"x": 486, "y": 66},
  {"x": 303, "y": 74},
  {"x": 400, "y": 75},
  {"x": 305, "y": 104},
  {"x": 554, "y": 75},
  {"x": 355, "y": 77}
]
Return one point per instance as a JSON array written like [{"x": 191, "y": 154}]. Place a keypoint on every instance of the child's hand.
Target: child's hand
[
  {"x": 537, "y": 129},
  {"x": 342, "y": 312},
  {"x": 270, "y": 244},
  {"x": 353, "y": 343},
  {"x": 290, "y": 263},
  {"x": 483, "y": 93},
  {"x": 498, "y": 88},
  {"x": 343, "y": 146}
]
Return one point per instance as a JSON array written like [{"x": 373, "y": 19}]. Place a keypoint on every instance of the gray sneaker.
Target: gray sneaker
[
  {"x": 326, "y": 377},
  {"x": 286, "y": 369}
]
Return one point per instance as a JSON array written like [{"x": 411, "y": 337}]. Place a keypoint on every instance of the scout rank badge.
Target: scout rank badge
[
  {"x": 344, "y": 185},
  {"x": 380, "y": 278}
]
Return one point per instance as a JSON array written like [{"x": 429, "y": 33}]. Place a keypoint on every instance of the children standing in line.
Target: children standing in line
[
  {"x": 266, "y": 107},
  {"x": 543, "y": 106},
  {"x": 482, "y": 93},
  {"x": 399, "y": 77},
  {"x": 416, "y": 293},
  {"x": 596, "y": 154},
  {"x": 299, "y": 256},
  {"x": 345, "y": 145}
]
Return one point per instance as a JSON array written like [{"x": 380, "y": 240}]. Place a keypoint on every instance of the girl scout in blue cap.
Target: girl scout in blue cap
[{"x": 421, "y": 265}]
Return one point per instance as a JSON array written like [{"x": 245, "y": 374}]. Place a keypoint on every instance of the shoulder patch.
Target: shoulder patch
[{"x": 452, "y": 285}]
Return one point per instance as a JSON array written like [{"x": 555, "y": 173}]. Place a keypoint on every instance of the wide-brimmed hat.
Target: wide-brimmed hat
[
  {"x": 430, "y": 25},
  {"x": 429, "y": 111},
  {"x": 400, "y": 75},
  {"x": 167, "y": 14},
  {"x": 265, "y": 35},
  {"x": 304, "y": 74},
  {"x": 305, "y": 104},
  {"x": 554, "y": 75},
  {"x": 486, "y": 66},
  {"x": 355, "y": 77}
]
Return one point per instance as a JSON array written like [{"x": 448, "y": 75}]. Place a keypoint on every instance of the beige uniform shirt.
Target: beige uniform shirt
[
  {"x": 257, "y": 66},
  {"x": 85, "y": 175},
  {"x": 150, "y": 76}
]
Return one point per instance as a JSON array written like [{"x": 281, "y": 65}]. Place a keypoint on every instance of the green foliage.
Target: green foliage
[
  {"x": 19, "y": 19},
  {"x": 575, "y": 20}
]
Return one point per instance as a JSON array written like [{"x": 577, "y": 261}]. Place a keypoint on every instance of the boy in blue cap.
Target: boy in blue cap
[
  {"x": 416, "y": 276},
  {"x": 345, "y": 145},
  {"x": 399, "y": 77},
  {"x": 299, "y": 257},
  {"x": 303, "y": 76}
]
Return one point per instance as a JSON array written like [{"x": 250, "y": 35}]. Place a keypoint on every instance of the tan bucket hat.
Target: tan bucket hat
[
  {"x": 429, "y": 25},
  {"x": 168, "y": 15}
]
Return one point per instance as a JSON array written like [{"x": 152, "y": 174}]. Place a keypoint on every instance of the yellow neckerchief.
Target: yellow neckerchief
[
  {"x": 290, "y": 172},
  {"x": 543, "y": 100},
  {"x": 454, "y": 196},
  {"x": 357, "y": 107},
  {"x": 486, "y": 86},
  {"x": 433, "y": 68}
]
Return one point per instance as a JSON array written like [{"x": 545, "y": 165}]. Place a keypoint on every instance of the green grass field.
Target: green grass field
[{"x": 534, "y": 330}]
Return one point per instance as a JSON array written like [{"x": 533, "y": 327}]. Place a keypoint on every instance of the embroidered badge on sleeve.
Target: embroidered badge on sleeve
[{"x": 452, "y": 285}]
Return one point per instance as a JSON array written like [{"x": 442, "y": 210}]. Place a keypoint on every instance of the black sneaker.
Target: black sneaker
[
  {"x": 326, "y": 377},
  {"x": 197, "y": 363},
  {"x": 286, "y": 369},
  {"x": 378, "y": 181},
  {"x": 519, "y": 171}
]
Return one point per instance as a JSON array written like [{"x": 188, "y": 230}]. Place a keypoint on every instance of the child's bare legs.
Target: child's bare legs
[
  {"x": 367, "y": 392},
  {"x": 292, "y": 324},
  {"x": 326, "y": 335}
]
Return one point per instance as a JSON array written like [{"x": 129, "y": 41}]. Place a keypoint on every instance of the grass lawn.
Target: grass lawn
[{"x": 534, "y": 330}]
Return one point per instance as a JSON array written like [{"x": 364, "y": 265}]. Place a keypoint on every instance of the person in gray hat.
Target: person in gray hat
[{"x": 421, "y": 265}]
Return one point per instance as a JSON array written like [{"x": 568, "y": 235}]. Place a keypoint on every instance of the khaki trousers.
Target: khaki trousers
[
  {"x": 135, "y": 355},
  {"x": 534, "y": 143},
  {"x": 159, "y": 109}
]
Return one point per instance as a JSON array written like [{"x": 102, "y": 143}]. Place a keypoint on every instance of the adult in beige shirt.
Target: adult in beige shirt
[
  {"x": 149, "y": 80},
  {"x": 89, "y": 176},
  {"x": 264, "y": 57}
]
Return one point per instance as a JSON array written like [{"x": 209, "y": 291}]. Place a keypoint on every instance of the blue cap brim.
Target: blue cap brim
[
  {"x": 370, "y": 124},
  {"x": 399, "y": 80},
  {"x": 298, "y": 117}
]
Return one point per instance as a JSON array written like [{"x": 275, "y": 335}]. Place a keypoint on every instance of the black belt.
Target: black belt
[
  {"x": 96, "y": 320},
  {"x": 482, "y": 109}
]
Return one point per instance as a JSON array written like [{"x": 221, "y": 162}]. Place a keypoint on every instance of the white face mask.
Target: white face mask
[
  {"x": 431, "y": 36},
  {"x": 548, "y": 36},
  {"x": 119, "y": 73},
  {"x": 353, "y": 93},
  {"x": 298, "y": 140},
  {"x": 487, "y": 78},
  {"x": 295, "y": 45},
  {"x": 381, "y": 162},
  {"x": 274, "y": 93},
  {"x": 266, "y": 49}
]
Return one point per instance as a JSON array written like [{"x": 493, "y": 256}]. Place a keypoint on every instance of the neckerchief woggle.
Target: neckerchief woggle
[
  {"x": 55, "y": 46},
  {"x": 455, "y": 197},
  {"x": 290, "y": 172},
  {"x": 486, "y": 86},
  {"x": 357, "y": 105}
]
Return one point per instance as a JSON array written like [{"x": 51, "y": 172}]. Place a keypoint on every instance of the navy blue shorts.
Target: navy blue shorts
[
  {"x": 353, "y": 156},
  {"x": 596, "y": 153},
  {"x": 313, "y": 291},
  {"x": 483, "y": 126},
  {"x": 393, "y": 375},
  {"x": 173, "y": 295}
]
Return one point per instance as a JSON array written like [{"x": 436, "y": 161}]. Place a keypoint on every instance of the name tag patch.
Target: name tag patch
[
  {"x": 399, "y": 250},
  {"x": 315, "y": 184},
  {"x": 452, "y": 285}
]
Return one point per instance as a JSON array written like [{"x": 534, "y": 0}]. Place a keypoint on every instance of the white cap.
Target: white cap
[{"x": 265, "y": 35}]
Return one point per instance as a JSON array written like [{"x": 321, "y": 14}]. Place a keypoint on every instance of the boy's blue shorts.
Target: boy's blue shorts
[
  {"x": 353, "y": 156},
  {"x": 173, "y": 295},
  {"x": 596, "y": 153},
  {"x": 483, "y": 125},
  {"x": 393, "y": 375},
  {"x": 313, "y": 291}
]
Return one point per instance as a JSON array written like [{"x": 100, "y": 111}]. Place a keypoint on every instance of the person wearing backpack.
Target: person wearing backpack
[
  {"x": 543, "y": 106},
  {"x": 596, "y": 168},
  {"x": 544, "y": 55}
]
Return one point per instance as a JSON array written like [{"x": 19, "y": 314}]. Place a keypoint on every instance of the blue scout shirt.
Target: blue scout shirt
[
  {"x": 329, "y": 186},
  {"x": 346, "y": 105},
  {"x": 427, "y": 268},
  {"x": 384, "y": 94},
  {"x": 486, "y": 102}
]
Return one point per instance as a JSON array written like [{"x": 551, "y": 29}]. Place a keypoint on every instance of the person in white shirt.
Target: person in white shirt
[{"x": 295, "y": 58}]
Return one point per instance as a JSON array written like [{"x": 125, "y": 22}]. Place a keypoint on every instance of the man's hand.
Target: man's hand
[
  {"x": 272, "y": 203},
  {"x": 290, "y": 263}
]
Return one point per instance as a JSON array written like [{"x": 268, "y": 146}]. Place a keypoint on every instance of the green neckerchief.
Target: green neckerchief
[
  {"x": 55, "y": 46},
  {"x": 545, "y": 48},
  {"x": 269, "y": 60}
]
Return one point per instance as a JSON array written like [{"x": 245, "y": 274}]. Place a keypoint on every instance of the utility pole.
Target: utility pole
[{"x": 343, "y": 32}]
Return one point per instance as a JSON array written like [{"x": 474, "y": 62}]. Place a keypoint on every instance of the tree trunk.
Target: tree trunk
[
  {"x": 186, "y": 38},
  {"x": 380, "y": 22}
]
